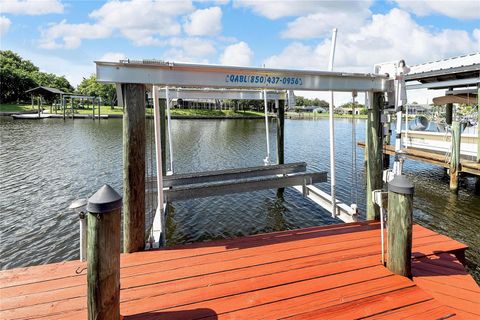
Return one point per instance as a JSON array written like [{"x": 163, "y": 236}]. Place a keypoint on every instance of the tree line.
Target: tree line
[{"x": 18, "y": 75}]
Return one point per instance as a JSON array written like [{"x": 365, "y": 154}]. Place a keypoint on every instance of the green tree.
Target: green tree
[
  {"x": 299, "y": 101},
  {"x": 90, "y": 86},
  {"x": 18, "y": 75},
  {"x": 15, "y": 76}
]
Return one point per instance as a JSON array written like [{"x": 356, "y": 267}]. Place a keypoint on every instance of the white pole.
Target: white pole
[
  {"x": 83, "y": 237},
  {"x": 398, "y": 130},
  {"x": 332, "y": 137},
  {"x": 382, "y": 236},
  {"x": 406, "y": 125},
  {"x": 169, "y": 121},
  {"x": 158, "y": 157},
  {"x": 267, "y": 159}
]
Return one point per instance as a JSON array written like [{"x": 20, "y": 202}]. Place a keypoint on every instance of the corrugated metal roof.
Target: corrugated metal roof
[{"x": 455, "y": 62}]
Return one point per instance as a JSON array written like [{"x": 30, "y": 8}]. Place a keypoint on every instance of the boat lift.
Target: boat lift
[{"x": 234, "y": 80}]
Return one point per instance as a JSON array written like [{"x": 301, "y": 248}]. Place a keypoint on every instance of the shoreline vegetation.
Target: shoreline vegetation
[{"x": 115, "y": 112}]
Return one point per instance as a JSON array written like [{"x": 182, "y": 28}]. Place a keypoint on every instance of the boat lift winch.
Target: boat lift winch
[{"x": 228, "y": 80}]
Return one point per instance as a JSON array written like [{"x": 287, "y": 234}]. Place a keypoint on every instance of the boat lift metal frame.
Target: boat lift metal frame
[{"x": 181, "y": 75}]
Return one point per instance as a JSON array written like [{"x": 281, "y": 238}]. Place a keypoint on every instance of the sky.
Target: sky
[{"x": 66, "y": 37}]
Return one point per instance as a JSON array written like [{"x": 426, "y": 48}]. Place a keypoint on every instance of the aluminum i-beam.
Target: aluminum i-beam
[
  {"x": 230, "y": 174},
  {"x": 244, "y": 185},
  {"x": 229, "y": 77}
]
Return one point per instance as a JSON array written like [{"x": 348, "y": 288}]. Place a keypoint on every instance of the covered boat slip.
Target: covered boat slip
[
  {"x": 432, "y": 157},
  {"x": 177, "y": 81},
  {"x": 315, "y": 273}
]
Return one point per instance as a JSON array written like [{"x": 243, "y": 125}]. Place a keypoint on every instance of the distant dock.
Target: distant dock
[{"x": 431, "y": 157}]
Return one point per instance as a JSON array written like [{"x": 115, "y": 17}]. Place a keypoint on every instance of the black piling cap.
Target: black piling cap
[
  {"x": 400, "y": 184},
  {"x": 106, "y": 199}
]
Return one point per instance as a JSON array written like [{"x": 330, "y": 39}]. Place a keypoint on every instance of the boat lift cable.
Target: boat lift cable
[
  {"x": 266, "y": 161},
  {"x": 169, "y": 128}
]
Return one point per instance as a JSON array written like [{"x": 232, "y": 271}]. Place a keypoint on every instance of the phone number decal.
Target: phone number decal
[{"x": 238, "y": 78}]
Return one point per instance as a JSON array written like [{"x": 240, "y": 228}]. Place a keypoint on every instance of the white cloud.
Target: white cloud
[
  {"x": 4, "y": 25},
  {"x": 321, "y": 24},
  {"x": 195, "y": 47},
  {"x": 386, "y": 37},
  {"x": 476, "y": 35},
  {"x": 459, "y": 9},
  {"x": 31, "y": 7},
  {"x": 70, "y": 35},
  {"x": 204, "y": 22},
  {"x": 141, "y": 21},
  {"x": 238, "y": 54},
  {"x": 292, "y": 8},
  {"x": 113, "y": 57}
]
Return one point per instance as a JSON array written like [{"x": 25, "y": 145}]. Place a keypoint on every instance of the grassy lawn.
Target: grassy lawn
[
  {"x": 199, "y": 113},
  {"x": 118, "y": 111},
  {"x": 12, "y": 107}
]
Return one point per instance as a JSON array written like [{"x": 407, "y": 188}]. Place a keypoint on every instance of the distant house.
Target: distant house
[
  {"x": 342, "y": 110},
  {"x": 309, "y": 109}
]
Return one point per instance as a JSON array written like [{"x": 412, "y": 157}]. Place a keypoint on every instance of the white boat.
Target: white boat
[
  {"x": 441, "y": 141},
  {"x": 31, "y": 116}
]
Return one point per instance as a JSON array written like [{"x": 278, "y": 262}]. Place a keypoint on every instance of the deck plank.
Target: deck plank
[
  {"x": 428, "y": 310},
  {"x": 296, "y": 273},
  {"x": 441, "y": 277},
  {"x": 370, "y": 306},
  {"x": 194, "y": 266}
]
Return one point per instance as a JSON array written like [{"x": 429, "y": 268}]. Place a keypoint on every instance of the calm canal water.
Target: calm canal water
[{"x": 46, "y": 164}]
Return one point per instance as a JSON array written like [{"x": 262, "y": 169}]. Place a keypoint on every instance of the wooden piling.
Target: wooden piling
[
  {"x": 281, "y": 139},
  {"x": 449, "y": 110},
  {"x": 103, "y": 261},
  {"x": 163, "y": 136},
  {"x": 448, "y": 113},
  {"x": 400, "y": 215},
  {"x": 133, "y": 167},
  {"x": 374, "y": 150},
  {"x": 455, "y": 156}
]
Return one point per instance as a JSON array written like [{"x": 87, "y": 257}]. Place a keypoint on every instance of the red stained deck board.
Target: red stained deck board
[
  {"x": 441, "y": 277},
  {"x": 370, "y": 306},
  {"x": 428, "y": 310},
  {"x": 199, "y": 251},
  {"x": 243, "y": 278}
]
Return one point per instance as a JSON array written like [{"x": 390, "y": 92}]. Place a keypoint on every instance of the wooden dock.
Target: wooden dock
[
  {"x": 315, "y": 273},
  {"x": 431, "y": 157}
]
